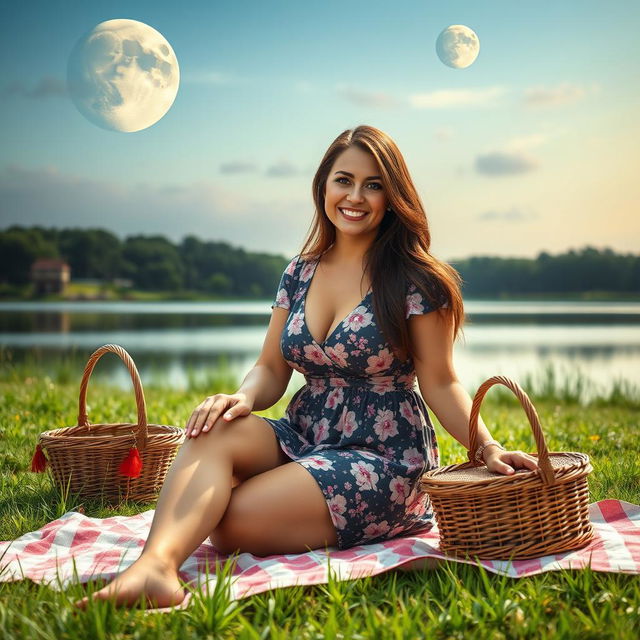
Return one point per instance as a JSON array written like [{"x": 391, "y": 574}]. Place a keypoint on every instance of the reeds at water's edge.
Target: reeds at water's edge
[{"x": 572, "y": 386}]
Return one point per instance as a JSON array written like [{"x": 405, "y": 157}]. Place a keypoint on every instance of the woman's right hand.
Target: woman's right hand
[{"x": 211, "y": 408}]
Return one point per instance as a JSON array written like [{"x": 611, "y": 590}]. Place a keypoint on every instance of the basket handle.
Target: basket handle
[
  {"x": 83, "y": 420},
  {"x": 544, "y": 464}
]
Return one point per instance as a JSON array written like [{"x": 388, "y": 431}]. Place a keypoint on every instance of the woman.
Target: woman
[{"x": 361, "y": 311}]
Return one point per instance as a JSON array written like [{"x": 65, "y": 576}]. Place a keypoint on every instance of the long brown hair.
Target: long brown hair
[{"x": 400, "y": 253}]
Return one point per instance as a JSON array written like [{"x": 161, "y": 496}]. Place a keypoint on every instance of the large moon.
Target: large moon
[
  {"x": 457, "y": 46},
  {"x": 123, "y": 75}
]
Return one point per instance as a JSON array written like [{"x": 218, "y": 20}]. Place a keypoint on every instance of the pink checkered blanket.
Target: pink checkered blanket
[{"x": 77, "y": 547}]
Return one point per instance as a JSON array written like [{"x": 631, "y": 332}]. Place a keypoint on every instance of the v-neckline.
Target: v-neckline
[{"x": 304, "y": 309}]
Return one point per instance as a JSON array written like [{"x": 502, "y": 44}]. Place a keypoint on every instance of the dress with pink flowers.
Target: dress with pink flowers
[{"x": 358, "y": 425}]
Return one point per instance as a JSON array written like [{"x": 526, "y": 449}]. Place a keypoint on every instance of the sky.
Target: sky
[{"x": 534, "y": 147}]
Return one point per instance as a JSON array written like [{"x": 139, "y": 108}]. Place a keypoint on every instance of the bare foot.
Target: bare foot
[{"x": 146, "y": 576}]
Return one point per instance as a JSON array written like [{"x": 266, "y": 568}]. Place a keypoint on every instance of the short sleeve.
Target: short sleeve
[
  {"x": 417, "y": 305},
  {"x": 286, "y": 286}
]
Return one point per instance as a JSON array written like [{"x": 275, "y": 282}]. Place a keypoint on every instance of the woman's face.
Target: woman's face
[{"x": 355, "y": 200}]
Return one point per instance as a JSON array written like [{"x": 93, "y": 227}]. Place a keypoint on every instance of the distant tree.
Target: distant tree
[
  {"x": 219, "y": 283},
  {"x": 633, "y": 283},
  {"x": 574, "y": 271},
  {"x": 91, "y": 253},
  {"x": 255, "y": 290},
  {"x": 247, "y": 274},
  {"x": 204, "y": 259},
  {"x": 153, "y": 263},
  {"x": 19, "y": 249}
]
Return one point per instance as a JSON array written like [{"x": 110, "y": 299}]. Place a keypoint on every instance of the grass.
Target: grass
[
  {"x": 455, "y": 601},
  {"x": 108, "y": 291}
]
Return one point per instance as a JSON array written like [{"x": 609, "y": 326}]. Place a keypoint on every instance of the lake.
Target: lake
[{"x": 177, "y": 342}]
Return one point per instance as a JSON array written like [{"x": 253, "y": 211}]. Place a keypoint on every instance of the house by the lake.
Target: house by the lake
[{"x": 50, "y": 275}]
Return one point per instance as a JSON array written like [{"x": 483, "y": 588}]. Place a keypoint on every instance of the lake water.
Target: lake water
[{"x": 175, "y": 342}]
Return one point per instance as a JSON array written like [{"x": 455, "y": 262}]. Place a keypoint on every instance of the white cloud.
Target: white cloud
[
  {"x": 510, "y": 215},
  {"x": 554, "y": 96},
  {"x": 513, "y": 156},
  {"x": 523, "y": 143},
  {"x": 282, "y": 169},
  {"x": 46, "y": 87},
  {"x": 365, "y": 98},
  {"x": 499, "y": 163},
  {"x": 447, "y": 98},
  {"x": 237, "y": 167}
]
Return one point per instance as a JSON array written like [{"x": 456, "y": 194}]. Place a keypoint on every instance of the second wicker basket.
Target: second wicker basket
[{"x": 523, "y": 515}]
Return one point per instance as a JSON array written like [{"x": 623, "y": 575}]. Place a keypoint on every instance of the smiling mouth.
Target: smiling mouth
[{"x": 353, "y": 214}]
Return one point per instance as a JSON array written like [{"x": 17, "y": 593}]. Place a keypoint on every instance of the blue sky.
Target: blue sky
[{"x": 533, "y": 147}]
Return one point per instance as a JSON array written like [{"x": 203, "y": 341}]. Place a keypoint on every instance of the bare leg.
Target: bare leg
[{"x": 192, "y": 501}]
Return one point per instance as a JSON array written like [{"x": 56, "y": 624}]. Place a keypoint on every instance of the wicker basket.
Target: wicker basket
[
  {"x": 87, "y": 459},
  {"x": 523, "y": 515}
]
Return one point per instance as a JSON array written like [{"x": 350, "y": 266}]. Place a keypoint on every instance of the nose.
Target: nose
[{"x": 355, "y": 195}]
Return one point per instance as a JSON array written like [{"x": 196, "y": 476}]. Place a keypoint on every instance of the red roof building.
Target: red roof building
[{"x": 50, "y": 275}]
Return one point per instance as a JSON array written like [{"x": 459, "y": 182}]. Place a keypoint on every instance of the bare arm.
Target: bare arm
[
  {"x": 262, "y": 387},
  {"x": 431, "y": 337},
  {"x": 266, "y": 383}
]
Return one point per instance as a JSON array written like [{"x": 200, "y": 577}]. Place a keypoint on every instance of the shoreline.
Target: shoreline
[{"x": 587, "y": 296}]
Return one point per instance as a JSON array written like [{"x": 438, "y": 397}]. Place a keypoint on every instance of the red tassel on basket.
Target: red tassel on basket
[
  {"x": 132, "y": 465},
  {"x": 39, "y": 461}
]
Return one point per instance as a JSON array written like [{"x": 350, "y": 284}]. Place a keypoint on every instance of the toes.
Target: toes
[{"x": 83, "y": 603}]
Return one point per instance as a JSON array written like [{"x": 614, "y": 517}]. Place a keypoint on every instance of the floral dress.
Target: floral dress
[{"x": 357, "y": 425}]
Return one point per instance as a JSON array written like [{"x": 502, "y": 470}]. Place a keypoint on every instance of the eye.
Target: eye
[{"x": 377, "y": 185}]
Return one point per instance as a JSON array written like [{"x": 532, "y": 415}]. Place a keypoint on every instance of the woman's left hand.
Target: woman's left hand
[{"x": 506, "y": 462}]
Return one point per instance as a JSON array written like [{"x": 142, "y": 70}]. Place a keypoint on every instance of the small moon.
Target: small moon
[
  {"x": 457, "y": 46},
  {"x": 123, "y": 75}
]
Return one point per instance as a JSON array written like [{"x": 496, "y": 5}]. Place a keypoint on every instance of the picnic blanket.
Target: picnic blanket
[{"x": 75, "y": 547}]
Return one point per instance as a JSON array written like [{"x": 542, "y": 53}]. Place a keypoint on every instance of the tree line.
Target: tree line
[
  {"x": 154, "y": 263},
  {"x": 151, "y": 263},
  {"x": 582, "y": 271}
]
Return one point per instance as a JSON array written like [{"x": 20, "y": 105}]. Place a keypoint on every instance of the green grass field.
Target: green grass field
[{"x": 454, "y": 601}]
